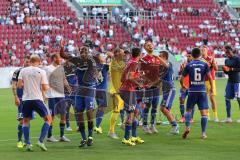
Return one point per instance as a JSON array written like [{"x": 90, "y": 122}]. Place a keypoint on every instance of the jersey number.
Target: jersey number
[{"x": 197, "y": 74}]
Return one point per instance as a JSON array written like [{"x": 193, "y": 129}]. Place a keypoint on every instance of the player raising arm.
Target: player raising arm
[
  {"x": 169, "y": 96},
  {"x": 197, "y": 71},
  {"x": 35, "y": 84},
  {"x": 87, "y": 74},
  {"x": 213, "y": 68}
]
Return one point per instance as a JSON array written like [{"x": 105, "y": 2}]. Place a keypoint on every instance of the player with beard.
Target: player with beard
[
  {"x": 209, "y": 59},
  {"x": 55, "y": 95},
  {"x": 232, "y": 91},
  {"x": 152, "y": 92},
  {"x": 87, "y": 74},
  {"x": 184, "y": 93}
]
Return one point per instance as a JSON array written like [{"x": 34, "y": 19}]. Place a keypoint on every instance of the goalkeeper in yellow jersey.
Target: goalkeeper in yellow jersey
[{"x": 116, "y": 69}]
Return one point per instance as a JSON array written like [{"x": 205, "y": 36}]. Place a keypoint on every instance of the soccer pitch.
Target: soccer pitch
[{"x": 222, "y": 143}]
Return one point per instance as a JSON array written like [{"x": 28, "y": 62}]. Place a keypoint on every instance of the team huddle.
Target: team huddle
[{"x": 135, "y": 85}]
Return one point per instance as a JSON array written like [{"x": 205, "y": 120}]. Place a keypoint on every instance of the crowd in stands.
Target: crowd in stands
[{"x": 102, "y": 27}]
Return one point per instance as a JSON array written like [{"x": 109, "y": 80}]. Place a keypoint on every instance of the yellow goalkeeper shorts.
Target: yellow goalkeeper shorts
[{"x": 214, "y": 88}]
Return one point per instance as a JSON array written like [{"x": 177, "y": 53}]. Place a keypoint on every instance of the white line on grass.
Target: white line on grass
[{"x": 7, "y": 140}]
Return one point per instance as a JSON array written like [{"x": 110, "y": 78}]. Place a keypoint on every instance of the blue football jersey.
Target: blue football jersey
[
  {"x": 103, "y": 76},
  {"x": 197, "y": 71},
  {"x": 86, "y": 71},
  {"x": 169, "y": 75},
  {"x": 15, "y": 79},
  {"x": 71, "y": 77}
]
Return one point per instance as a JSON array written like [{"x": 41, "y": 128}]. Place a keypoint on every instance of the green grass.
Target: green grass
[{"x": 222, "y": 143}]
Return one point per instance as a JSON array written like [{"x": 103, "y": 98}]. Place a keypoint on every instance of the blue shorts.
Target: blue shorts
[
  {"x": 85, "y": 98},
  {"x": 130, "y": 100},
  {"x": 152, "y": 96},
  {"x": 34, "y": 105},
  {"x": 84, "y": 103},
  {"x": 199, "y": 98},
  {"x": 168, "y": 99},
  {"x": 101, "y": 98},
  {"x": 183, "y": 94},
  {"x": 71, "y": 100},
  {"x": 57, "y": 106},
  {"x": 232, "y": 90}
]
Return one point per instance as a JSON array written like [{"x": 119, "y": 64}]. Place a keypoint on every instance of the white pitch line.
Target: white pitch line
[{"x": 8, "y": 140}]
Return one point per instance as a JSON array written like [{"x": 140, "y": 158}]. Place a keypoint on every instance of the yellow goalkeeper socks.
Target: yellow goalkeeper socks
[
  {"x": 215, "y": 113},
  {"x": 113, "y": 121}
]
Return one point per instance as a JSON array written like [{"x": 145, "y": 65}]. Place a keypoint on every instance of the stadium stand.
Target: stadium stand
[
  {"x": 186, "y": 23},
  {"x": 39, "y": 25}
]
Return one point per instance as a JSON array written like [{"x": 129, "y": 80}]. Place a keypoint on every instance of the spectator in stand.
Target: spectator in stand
[
  {"x": 46, "y": 39},
  {"x": 85, "y": 11},
  {"x": 94, "y": 12},
  {"x": 110, "y": 32},
  {"x": 105, "y": 12}
]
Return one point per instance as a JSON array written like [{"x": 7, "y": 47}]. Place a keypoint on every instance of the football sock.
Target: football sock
[
  {"x": 50, "y": 131},
  {"x": 215, "y": 113},
  {"x": 26, "y": 133},
  {"x": 44, "y": 131},
  {"x": 145, "y": 116},
  {"x": 141, "y": 113},
  {"x": 153, "y": 116},
  {"x": 67, "y": 120},
  {"x": 228, "y": 107},
  {"x": 174, "y": 123},
  {"x": 90, "y": 128},
  {"x": 128, "y": 128},
  {"x": 182, "y": 109},
  {"x": 187, "y": 119},
  {"x": 82, "y": 131},
  {"x": 122, "y": 113},
  {"x": 204, "y": 120},
  {"x": 113, "y": 121},
  {"x": 20, "y": 132},
  {"x": 134, "y": 128},
  {"x": 62, "y": 127},
  {"x": 238, "y": 99},
  {"x": 192, "y": 113},
  {"x": 99, "y": 117}
]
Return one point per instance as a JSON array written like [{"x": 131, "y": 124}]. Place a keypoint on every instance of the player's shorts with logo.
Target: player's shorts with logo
[
  {"x": 57, "y": 105},
  {"x": 130, "y": 100},
  {"x": 34, "y": 105},
  {"x": 199, "y": 98},
  {"x": 232, "y": 90},
  {"x": 168, "y": 98},
  {"x": 85, "y": 98},
  {"x": 101, "y": 98},
  {"x": 152, "y": 96}
]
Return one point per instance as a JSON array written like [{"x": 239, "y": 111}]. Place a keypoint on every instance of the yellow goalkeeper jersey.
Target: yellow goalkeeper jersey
[{"x": 116, "y": 69}]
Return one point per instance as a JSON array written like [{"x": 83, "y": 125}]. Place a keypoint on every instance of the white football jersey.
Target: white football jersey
[
  {"x": 56, "y": 78},
  {"x": 33, "y": 78}
]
